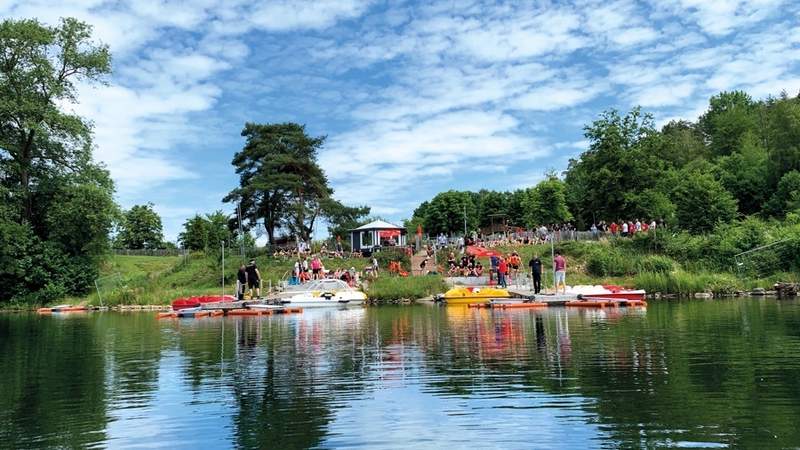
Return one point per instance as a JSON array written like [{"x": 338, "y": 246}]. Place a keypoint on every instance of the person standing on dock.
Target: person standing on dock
[
  {"x": 502, "y": 269},
  {"x": 536, "y": 272},
  {"x": 253, "y": 279},
  {"x": 241, "y": 277},
  {"x": 560, "y": 267}
]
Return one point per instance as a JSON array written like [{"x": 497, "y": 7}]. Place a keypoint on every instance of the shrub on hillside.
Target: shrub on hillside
[
  {"x": 655, "y": 263},
  {"x": 389, "y": 254},
  {"x": 608, "y": 262}
]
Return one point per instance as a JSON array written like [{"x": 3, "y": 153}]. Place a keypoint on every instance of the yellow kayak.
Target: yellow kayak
[{"x": 473, "y": 294}]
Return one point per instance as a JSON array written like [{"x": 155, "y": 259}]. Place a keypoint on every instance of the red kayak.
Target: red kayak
[{"x": 194, "y": 302}]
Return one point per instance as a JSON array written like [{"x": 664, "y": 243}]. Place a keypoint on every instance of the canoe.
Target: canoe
[
  {"x": 607, "y": 291},
  {"x": 194, "y": 302},
  {"x": 62, "y": 309},
  {"x": 472, "y": 294}
]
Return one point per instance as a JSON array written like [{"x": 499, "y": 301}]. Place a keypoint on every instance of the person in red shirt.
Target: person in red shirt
[
  {"x": 645, "y": 226},
  {"x": 560, "y": 268},
  {"x": 613, "y": 228},
  {"x": 631, "y": 228},
  {"x": 502, "y": 270}
]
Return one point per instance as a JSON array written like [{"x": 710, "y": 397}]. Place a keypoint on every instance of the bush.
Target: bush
[
  {"x": 609, "y": 263},
  {"x": 656, "y": 264},
  {"x": 389, "y": 288},
  {"x": 387, "y": 255}
]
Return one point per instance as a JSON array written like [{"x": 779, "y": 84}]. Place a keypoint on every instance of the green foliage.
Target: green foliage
[
  {"x": 546, "y": 203},
  {"x": 80, "y": 217},
  {"x": 56, "y": 206},
  {"x": 650, "y": 204},
  {"x": 341, "y": 219},
  {"x": 140, "y": 228},
  {"x": 786, "y": 197},
  {"x": 388, "y": 288},
  {"x": 782, "y": 135},
  {"x": 730, "y": 116},
  {"x": 744, "y": 174},
  {"x": 610, "y": 263},
  {"x": 622, "y": 158},
  {"x": 280, "y": 182},
  {"x": 445, "y": 213},
  {"x": 195, "y": 233},
  {"x": 682, "y": 143},
  {"x": 655, "y": 264},
  {"x": 701, "y": 202},
  {"x": 387, "y": 255},
  {"x": 39, "y": 66}
]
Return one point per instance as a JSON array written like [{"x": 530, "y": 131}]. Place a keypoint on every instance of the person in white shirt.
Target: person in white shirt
[
  {"x": 638, "y": 225},
  {"x": 624, "y": 228}
]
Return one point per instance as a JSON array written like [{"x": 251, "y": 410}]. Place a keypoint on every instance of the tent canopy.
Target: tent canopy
[
  {"x": 482, "y": 252},
  {"x": 379, "y": 225}
]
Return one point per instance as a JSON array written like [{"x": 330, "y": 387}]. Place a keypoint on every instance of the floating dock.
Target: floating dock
[
  {"x": 544, "y": 301},
  {"x": 230, "y": 309}
]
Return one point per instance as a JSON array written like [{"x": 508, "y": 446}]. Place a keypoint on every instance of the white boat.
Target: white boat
[{"x": 325, "y": 292}]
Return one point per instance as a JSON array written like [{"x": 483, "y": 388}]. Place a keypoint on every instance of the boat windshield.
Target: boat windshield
[{"x": 327, "y": 285}]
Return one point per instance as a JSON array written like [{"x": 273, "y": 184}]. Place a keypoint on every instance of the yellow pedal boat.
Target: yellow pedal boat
[{"x": 463, "y": 295}]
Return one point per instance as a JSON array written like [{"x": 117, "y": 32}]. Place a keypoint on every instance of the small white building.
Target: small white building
[{"x": 375, "y": 233}]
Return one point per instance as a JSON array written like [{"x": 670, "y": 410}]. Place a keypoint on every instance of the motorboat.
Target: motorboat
[
  {"x": 324, "y": 292},
  {"x": 464, "y": 295}
]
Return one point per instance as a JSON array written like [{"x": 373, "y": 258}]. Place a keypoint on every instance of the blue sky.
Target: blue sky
[{"x": 415, "y": 98}]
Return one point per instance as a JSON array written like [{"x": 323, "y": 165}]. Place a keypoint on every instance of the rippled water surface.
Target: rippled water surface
[{"x": 682, "y": 374}]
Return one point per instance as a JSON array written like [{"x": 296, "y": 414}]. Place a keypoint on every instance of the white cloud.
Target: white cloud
[
  {"x": 558, "y": 95},
  {"x": 721, "y": 17},
  {"x": 410, "y": 95}
]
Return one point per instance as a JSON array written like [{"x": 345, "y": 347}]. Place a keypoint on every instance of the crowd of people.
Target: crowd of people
[{"x": 306, "y": 269}]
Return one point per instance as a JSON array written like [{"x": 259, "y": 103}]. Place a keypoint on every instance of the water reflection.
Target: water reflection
[{"x": 679, "y": 374}]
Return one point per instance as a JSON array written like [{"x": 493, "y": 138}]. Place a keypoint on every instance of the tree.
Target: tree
[
  {"x": 39, "y": 66},
  {"x": 701, "y": 202},
  {"x": 217, "y": 230},
  {"x": 80, "y": 213},
  {"x": 622, "y": 158},
  {"x": 445, "y": 213},
  {"x": 782, "y": 136},
  {"x": 141, "y": 228},
  {"x": 195, "y": 233},
  {"x": 546, "y": 203},
  {"x": 492, "y": 207},
  {"x": 681, "y": 143},
  {"x": 280, "y": 181},
  {"x": 650, "y": 204},
  {"x": 56, "y": 205},
  {"x": 342, "y": 219},
  {"x": 730, "y": 115},
  {"x": 786, "y": 197},
  {"x": 744, "y": 174}
]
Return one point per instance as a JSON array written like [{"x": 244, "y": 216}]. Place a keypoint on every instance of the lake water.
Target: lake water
[{"x": 679, "y": 374}]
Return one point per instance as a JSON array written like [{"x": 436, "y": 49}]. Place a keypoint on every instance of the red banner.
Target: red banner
[{"x": 389, "y": 233}]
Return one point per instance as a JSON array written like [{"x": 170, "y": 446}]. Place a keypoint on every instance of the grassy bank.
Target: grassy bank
[
  {"x": 388, "y": 288},
  {"x": 655, "y": 265},
  {"x": 625, "y": 262},
  {"x": 155, "y": 280}
]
